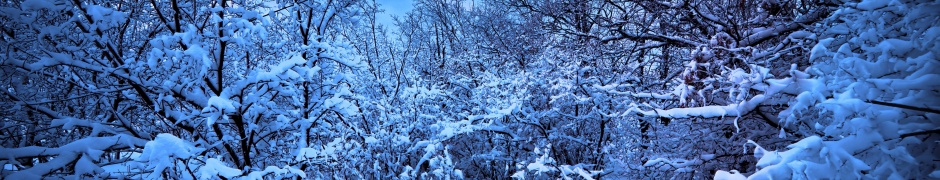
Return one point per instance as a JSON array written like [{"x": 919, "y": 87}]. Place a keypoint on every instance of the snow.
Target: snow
[
  {"x": 518, "y": 175},
  {"x": 79, "y": 112},
  {"x": 543, "y": 163},
  {"x": 84, "y": 166},
  {"x": 38, "y": 170},
  {"x": 306, "y": 153},
  {"x": 654, "y": 95},
  {"x": 539, "y": 167},
  {"x": 104, "y": 14},
  {"x": 451, "y": 129},
  {"x": 67, "y": 154},
  {"x": 342, "y": 106},
  {"x": 37, "y": 5},
  {"x": 162, "y": 152},
  {"x": 895, "y": 47},
  {"x": 802, "y": 35},
  {"x": 890, "y": 67},
  {"x": 154, "y": 57},
  {"x": 873, "y": 4},
  {"x": 371, "y": 140},
  {"x": 259, "y": 175},
  {"x": 221, "y": 103},
  {"x": 200, "y": 54},
  {"x": 925, "y": 82},
  {"x": 706, "y": 157},
  {"x": 577, "y": 170},
  {"x": 494, "y": 113},
  {"x": 935, "y": 174},
  {"x": 215, "y": 168},
  {"x": 44, "y": 62},
  {"x": 283, "y": 67},
  {"x": 732, "y": 175},
  {"x": 737, "y": 109}
]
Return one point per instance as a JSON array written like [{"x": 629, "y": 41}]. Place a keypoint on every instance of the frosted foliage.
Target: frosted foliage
[
  {"x": 215, "y": 168},
  {"x": 725, "y": 175},
  {"x": 469, "y": 89},
  {"x": 879, "y": 74},
  {"x": 164, "y": 151}
]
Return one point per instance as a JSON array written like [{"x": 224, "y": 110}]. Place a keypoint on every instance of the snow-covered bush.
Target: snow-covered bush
[
  {"x": 216, "y": 91},
  {"x": 525, "y": 89},
  {"x": 868, "y": 102}
]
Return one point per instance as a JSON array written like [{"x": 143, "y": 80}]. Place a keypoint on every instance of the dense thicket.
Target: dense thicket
[{"x": 221, "y": 89}]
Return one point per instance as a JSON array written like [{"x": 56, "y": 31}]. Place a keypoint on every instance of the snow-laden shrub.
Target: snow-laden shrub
[{"x": 868, "y": 103}]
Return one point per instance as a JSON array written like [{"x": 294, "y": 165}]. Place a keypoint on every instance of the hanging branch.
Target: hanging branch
[
  {"x": 935, "y": 131},
  {"x": 903, "y": 106}
]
